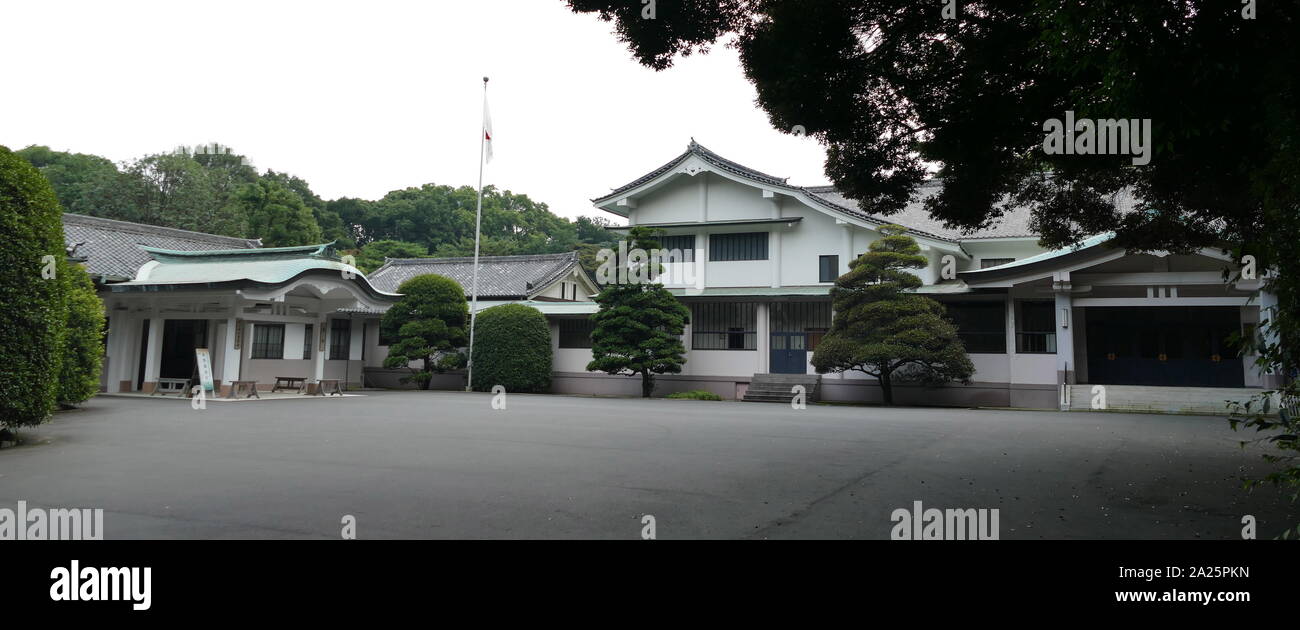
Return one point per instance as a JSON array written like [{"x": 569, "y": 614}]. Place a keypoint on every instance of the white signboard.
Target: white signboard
[{"x": 205, "y": 368}]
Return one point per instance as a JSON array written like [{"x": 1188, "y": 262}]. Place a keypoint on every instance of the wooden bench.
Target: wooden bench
[
  {"x": 251, "y": 386},
  {"x": 180, "y": 386},
  {"x": 329, "y": 386},
  {"x": 296, "y": 383}
]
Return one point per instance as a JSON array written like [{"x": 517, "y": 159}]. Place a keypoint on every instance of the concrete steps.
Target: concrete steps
[
  {"x": 777, "y": 387},
  {"x": 1153, "y": 399}
]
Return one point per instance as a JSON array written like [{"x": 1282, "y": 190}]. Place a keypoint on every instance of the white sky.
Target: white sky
[{"x": 360, "y": 98}]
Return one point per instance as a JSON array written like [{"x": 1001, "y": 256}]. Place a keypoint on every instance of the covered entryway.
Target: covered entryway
[
  {"x": 180, "y": 338},
  {"x": 789, "y": 353},
  {"x": 1185, "y": 347},
  {"x": 796, "y": 329}
]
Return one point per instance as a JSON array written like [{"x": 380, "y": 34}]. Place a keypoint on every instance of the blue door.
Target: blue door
[{"x": 789, "y": 353}]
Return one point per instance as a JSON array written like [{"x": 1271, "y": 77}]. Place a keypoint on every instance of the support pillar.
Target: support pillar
[
  {"x": 153, "y": 356},
  {"x": 231, "y": 351},
  {"x": 1064, "y": 335}
]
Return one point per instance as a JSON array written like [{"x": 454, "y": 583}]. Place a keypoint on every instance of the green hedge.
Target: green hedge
[
  {"x": 32, "y": 317},
  {"x": 695, "y": 394},
  {"x": 512, "y": 348},
  {"x": 83, "y": 349}
]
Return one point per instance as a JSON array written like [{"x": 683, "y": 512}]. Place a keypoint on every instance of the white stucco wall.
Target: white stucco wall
[{"x": 721, "y": 362}]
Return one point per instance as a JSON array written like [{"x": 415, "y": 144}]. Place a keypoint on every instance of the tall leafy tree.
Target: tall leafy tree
[
  {"x": 85, "y": 184},
  {"x": 372, "y": 256},
  {"x": 276, "y": 215},
  {"x": 429, "y": 325},
  {"x": 883, "y": 330},
  {"x": 638, "y": 326},
  {"x": 32, "y": 311},
  {"x": 331, "y": 224}
]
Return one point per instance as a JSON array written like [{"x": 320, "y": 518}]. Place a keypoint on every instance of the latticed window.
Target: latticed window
[
  {"x": 982, "y": 326},
  {"x": 681, "y": 242},
  {"x": 576, "y": 333},
  {"x": 724, "y": 326},
  {"x": 1037, "y": 328},
  {"x": 742, "y": 246},
  {"x": 340, "y": 339},
  {"x": 307, "y": 340},
  {"x": 268, "y": 341}
]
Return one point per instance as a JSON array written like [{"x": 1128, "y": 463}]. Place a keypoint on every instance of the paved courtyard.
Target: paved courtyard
[{"x": 446, "y": 465}]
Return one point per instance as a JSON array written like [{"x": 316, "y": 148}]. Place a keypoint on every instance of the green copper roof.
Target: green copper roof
[{"x": 271, "y": 266}]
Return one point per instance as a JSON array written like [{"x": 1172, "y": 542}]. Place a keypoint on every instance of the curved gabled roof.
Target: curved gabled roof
[
  {"x": 234, "y": 267},
  {"x": 1090, "y": 246},
  {"x": 812, "y": 196}
]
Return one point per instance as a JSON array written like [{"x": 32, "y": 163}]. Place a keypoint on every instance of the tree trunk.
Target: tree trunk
[
  {"x": 886, "y": 388},
  {"x": 647, "y": 384}
]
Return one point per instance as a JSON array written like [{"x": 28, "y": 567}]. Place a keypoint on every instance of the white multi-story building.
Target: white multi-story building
[
  {"x": 1035, "y": 322},
  {"x": 1041, "y": 327}
]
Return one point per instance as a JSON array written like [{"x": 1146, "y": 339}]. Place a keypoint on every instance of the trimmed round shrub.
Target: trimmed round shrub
[
  {"x": 512, "y": 348},
  {"x": 32, "y": 317},
  {"x": 83, "y": 350}
]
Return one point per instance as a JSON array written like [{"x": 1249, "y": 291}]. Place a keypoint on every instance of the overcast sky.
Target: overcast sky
[{"x": 360, "y": 98}]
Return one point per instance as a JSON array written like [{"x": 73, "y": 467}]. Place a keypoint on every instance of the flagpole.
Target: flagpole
[{"x": 478, "y": 225}]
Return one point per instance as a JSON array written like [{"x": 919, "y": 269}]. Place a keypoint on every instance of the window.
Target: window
[
  {"x": 365, "y": 331},
  {"x": 985, "y": 263},
  {"x": 268, "y": 341},
  {"x": 307, "y": 340},
  {"x": 682, "y": 242},
  {"x": 982, "y": 326},
  {"x": 724, "y": 326},
  {"x": 1036, "y": 328},
  {"x": 828, "y": 268},
  {"x": 575, "y": 333},
  {"x": 386, "y": 339},
  {"x": 743, "y": 246},
  {"x": 340, "y": 339}
]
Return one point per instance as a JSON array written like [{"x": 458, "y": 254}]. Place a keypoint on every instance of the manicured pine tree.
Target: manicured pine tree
[
  {"x": 430, "y": 324},
  {"x": 639, "y": 325},
  {"x": 882, "y": 329}
]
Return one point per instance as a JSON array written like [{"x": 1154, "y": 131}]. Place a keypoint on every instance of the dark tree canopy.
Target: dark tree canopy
[{"x": 893, "y": 90}]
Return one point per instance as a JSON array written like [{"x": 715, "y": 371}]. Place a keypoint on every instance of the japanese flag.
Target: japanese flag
[{"x": 487, "y": 132}]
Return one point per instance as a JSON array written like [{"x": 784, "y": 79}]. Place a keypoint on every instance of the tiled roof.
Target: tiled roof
[
  {"x": 1012, "y": 224},
  {"x": 510, "y": 277},
  {"x": 695, "y": 148},
  {"x": 780, "y": 183},
  {"x": 112, "y": 248}
]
